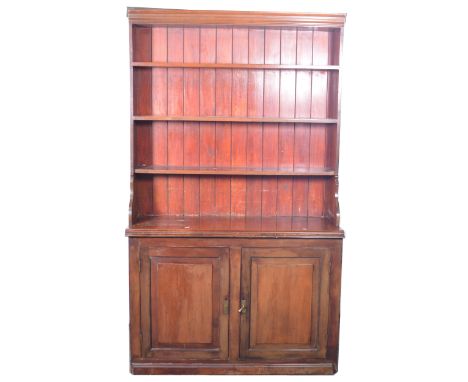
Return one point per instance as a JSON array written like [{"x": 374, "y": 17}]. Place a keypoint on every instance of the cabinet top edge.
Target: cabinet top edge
[
  {"x": 139, "y": 232},
  {"x": 244, "y": 18}
]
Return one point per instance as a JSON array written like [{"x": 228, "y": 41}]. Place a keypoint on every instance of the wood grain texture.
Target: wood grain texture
[
  {"x": 160, "y": 137},
  {"x": 270, "y": 133},
  {"x": 288, "y": 40},
  {"x": 287, "y": 290},
  {"x": 182, "y": 294},
  {"x": 226, "y": 226},
  {"x": 223, "y": 108},
  {"x": 230, "y": 119},
  {"x": 239, "y": 130},
  {"x": 161, "y": 64},
  {"x": 234, "y": 178},
  {"x": 195, "y": 17},
  {"x": 207, "y": 130},
  {"x": 286, "y": 348},
  {"x": 191, "y": 152},
  {"x": 175, "y": 130},
  {"x": 227, "y": 119},
  {"x": 187, "y": 170}
]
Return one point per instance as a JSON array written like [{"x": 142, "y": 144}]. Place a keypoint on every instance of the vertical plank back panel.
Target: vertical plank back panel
[
  {"x": 270, "y": 131},
  {"x": 239, "y": 92},
  {"x": 207, "y": 129},
  {"x": 159, "y": 139},
  {"x": 240, "y": 55},
  {"x": 286, "y": 130},
  {"x": 223, "y": 108},
  {"x": 302, "y": 131},
  {"x": 175, "y": 130},
  {"x": 191, "y": 129},
  {"x": 319, "y": 109},
  {"x": 256, "y": 49},
  {"x": 142, "y": 132},
  {"x": 141, "y": 43}
]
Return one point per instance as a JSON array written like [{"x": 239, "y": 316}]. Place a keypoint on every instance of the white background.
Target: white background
[{"x": 64, "y": 147}]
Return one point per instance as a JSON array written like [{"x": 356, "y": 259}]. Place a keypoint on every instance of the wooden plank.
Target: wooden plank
[
  {"x": 200, "y": 17},
  {"x": 238, "y": 171},
  {"x": 302, "y": 131},
  {"x": 235, "y": 226},
  {"x": 255, "y": 131},
  {"x": 175, "y": 133},
  {"x": 270, "y": 133},
  {"x": 234, "y": 119},
  {"x": 159, "y": 139},
  {"x": 191, "y": 129},
  {"x": 234, "y": 65},
  {"x": 207, "y": 129},
  {"x": 223, "y": 108},
  {"x": 239, "y": 130},
  {"x": 141, "y": 43},
  {"x": 234, "y": 319},
  {"x": 287, "y": 109},
  {"x": 319, "y": 109}
]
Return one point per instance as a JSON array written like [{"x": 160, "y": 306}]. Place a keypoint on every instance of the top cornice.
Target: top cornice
[{"x": 187, "y": 17}]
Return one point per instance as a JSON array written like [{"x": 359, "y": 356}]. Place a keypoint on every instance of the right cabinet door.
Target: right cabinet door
[{"x": 285, "y": 292}]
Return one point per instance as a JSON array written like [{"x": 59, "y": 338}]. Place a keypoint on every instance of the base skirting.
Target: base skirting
[{"x": 233, "y": 368}]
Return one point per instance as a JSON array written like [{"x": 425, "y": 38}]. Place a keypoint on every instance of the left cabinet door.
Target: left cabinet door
[{"x": 184, "y": 297}]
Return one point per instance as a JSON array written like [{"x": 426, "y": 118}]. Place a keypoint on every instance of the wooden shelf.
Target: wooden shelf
[
  {"x": 233, "y": 119},
  {"x": 176, "y": 170},
  {"x": 232, "y": 66},
  {"x": 225, "y": 226}
]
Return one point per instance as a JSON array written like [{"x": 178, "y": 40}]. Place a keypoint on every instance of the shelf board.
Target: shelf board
[
  {"x": 233, "y": 119},
  {"x": 227, "y": 226},
  {"x": 176, "y": 170},
  {"x": 232, "y": 66}
]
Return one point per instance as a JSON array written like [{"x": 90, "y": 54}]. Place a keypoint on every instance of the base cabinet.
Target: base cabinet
[{"x": 234, "y": 306}]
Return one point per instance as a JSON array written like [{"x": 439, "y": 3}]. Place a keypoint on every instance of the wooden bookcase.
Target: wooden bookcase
[{"x": 235, "y": 244}]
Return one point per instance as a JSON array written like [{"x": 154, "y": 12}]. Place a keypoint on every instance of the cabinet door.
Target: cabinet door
[
  {"x": 286, "y": 296},
  {"x": 183, "y": 297}
]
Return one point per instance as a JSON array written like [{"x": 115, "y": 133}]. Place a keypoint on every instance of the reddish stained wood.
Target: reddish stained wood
[
  {"x": 159, "y": 139},
  {"x": 207, "y": 130},
  {"x": 191, "y": 129},
  {"x": 142, "y": 91},
  {"x": 141, "y": 43},
  {"x": 254, "y": 131},
  {"x": 143, "y": 150},
  {"x": 270, "y": 132},
  {"x": 235, "y": 264},
  {"x": 243, "y": 94},
  {"x": 223, "y": 107},
  {"x": 175, "y": 156},
  {"x": 302, "y": 131},
  {"x": 225, "y": 119},
  {"x": 194, "y": 316},
  {"x": 233, "y": 66},
  {"x": 286, "y": 131},
  {"x": 319, "y": 108},
  {"x": 239, "y": 130}
]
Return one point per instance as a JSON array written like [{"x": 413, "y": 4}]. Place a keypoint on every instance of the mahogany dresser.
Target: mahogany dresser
[{"x": 235, "y": 244}]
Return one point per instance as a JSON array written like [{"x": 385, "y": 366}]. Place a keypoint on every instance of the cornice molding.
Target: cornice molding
[{"x": 197, "y": 17}]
